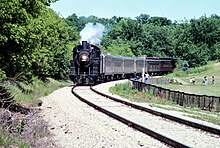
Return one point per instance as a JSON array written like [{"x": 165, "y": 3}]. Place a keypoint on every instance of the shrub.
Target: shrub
[{"x": 2, "y": 75}]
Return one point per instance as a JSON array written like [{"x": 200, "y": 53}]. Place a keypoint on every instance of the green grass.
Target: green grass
[
  {"x": 212, "y": 69},
  {"x": 8, "y": 141},
  {"x": 124, "y": 90},
  {"x": 211, "y": 90},
  {"x": 29, "y": 94},
  {"x": 194, "y": 112}
]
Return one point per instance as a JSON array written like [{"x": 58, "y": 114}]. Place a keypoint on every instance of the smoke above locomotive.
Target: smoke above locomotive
[{"x": 92, "y": 33}]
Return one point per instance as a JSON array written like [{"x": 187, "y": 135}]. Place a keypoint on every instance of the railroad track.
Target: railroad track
[
  {"x": 127, "y": 113},
  {"x": 164, "y": 115}
]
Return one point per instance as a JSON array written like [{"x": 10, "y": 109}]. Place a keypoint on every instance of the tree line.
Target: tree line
[
  {"x": 34, "y": 40},
  {"x": 195, "y": 41}
]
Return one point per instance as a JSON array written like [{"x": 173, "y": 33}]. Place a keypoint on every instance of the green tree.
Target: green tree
[
  {"x": 160, "y": 21},
  {"x": 143, "y": 18},
  {"x": 215, "y": 52},
  {"x": 15, "y": 15},
  {"x": 127, "y": 31},
  {"x": 32, "y": 40},
  {"x": 157, "y": 41},
  {"x": 119, "y": 50},
  {"x": 73, "y": 20}
]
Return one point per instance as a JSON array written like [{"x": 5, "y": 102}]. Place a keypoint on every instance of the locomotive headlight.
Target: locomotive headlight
[{"x": 84, "y": 57}]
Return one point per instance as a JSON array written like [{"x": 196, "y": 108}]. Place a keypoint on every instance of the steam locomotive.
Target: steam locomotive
[{"x": 90, "y": 66}]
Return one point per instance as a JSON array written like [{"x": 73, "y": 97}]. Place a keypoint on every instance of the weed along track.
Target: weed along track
[{"x": 173, "y": 133}]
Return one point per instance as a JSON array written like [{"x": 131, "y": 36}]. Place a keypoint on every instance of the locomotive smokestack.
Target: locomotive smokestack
[{"x": 84, "y": 45}]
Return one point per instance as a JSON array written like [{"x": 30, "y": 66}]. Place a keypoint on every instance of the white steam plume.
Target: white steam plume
[{"x": 92, "y": 33}]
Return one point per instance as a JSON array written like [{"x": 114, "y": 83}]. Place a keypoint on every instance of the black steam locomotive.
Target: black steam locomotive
[{"x": 90, "y": 66}]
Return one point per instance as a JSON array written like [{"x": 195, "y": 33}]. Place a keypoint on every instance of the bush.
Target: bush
[{"x": 2, "y": 75}]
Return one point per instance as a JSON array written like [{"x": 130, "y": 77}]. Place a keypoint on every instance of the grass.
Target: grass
[
  {"x": 212, "y": 69},
  {"x": 211, "y": 90},
  {"x": 194, "y": 112},
  {"x": 124, "y": 90},
  {"x": 6, "y": 140},
  {"x": 28, "y": 94}
]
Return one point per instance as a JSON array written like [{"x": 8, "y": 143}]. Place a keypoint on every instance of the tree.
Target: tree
[
  {"x": 215, "y": 52},
  {"x": 32, "y": 40},
  {"x": 15, "y": 15},
  {"x": 72, "y": 20},
  {"x": 157, "y": 41},
  {"x": 127, "y": 31},
  {"x": 48, "y": 2},
  {"x": 160, "y": 21},
  {"x": 119, "y": 50},
  {"x": 143, "y": 18}
]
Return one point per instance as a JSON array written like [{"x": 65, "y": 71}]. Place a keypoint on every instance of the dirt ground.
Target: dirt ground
[{"x": 30, "y": 127}]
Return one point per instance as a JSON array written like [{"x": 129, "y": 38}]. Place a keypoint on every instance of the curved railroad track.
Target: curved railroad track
[
  {"x": 164, "y": 115},
  {"x": 167, "y": 131}
]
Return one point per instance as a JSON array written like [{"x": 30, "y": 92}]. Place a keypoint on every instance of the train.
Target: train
[{"x": 90, "y": 66}]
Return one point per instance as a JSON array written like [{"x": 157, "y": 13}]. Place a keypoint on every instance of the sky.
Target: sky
[{"x": 172, "y": 9}]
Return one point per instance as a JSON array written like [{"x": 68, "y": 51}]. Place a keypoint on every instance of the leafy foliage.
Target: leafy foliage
[
  {"x": 33, "y": 40},
  {"x": 196, "y": 41},
  {"x": 2, "y": 75},
  {"x": 119, "y": 50}
]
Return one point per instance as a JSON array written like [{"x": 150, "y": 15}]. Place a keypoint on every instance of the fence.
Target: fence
[{"x": 211, "y": 103}]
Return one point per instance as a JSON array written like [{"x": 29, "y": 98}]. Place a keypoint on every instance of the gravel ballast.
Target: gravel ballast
[{"x": 75, "y": 124}]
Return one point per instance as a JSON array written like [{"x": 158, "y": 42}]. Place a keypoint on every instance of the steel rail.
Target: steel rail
[
  {"x": 164, "y": 115},
  {"x": 136, "y": 126}
]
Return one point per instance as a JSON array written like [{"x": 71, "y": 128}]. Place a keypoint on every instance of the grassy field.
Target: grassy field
[
  {"x": 212, "y": 69},
  {"x": 125, "y": 91}
]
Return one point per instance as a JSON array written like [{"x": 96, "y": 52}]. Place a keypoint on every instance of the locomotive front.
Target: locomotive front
[{"x": 85, "y": 66}]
